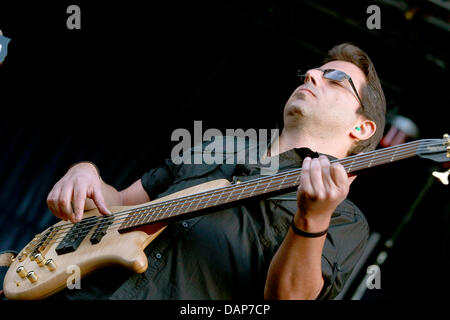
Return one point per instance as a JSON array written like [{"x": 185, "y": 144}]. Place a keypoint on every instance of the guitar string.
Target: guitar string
[
  {"x": 115, "y": 224},
  {"x": 158, "y": 212},
  {"x": 201, "y": 196},
  {"x": 281, "y": 174},
  {"x": 147, "y": 214}
]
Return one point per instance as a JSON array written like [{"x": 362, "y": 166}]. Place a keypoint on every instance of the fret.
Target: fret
[
  {"x": 150, "y": 215},
  {"x": 206, "y": 203},
  {"x": 158, "y": 212},
  {"x": 198, "y": 202},
  {"x": 351, "y": 165},
  {"x": 126, "y": 222},
  {"x": 281, "y": 184},
  {"x": 132, "y": 219},
  {"x": 175, "y": 213},
  {"x": 141, "y": 216},
  {"x": 202, "y": 203},
  {"x": 297, "y": 180},
  {"x": 393, "y": 155},
  {"x": 239, "y": 196},
  {"x": 267, "y": 185},
  {"x": 190, "y": 202},
  {"x": 170, "y": 207},
  {"x": 217, "y": 201},
  {"x": 256, "y": 185},
  {"x": 153, "y": 212},
  {"x": 370, "y": 164},
  {"x": 136, "y": 217},
  {"x": 228, "y": 199}
]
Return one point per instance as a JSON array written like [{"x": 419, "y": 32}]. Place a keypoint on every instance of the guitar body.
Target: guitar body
[{"x": 125, "y": 249}]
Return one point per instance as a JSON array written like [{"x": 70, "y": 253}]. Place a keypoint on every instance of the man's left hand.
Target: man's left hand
[{"x": 323, "y": 186}]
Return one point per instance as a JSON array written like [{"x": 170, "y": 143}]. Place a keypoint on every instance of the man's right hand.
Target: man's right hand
[{"x": 68, "y": 197}]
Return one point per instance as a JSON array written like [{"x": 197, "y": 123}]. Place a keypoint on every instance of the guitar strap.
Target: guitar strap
[{"x": 6, "y": 258}]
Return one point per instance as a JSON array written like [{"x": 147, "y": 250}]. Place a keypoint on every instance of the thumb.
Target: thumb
[
  {"x": 100, "y": 201},
  {"x": 351, "y": 179}
]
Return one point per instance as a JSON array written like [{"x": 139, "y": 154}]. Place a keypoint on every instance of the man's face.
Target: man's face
[{"x": 323, "y": 104}]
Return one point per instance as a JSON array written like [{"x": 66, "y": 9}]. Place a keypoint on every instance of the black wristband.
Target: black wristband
[{"x": 307, "y": 234}]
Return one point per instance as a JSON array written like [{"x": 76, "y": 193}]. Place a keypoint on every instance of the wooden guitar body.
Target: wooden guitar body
[{"x": 125, "y": 249}]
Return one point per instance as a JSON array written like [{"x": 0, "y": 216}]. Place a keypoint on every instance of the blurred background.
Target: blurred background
[{"x": 114, "y": 91}]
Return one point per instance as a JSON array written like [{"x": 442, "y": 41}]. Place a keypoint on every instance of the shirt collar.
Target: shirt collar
[{"x": 294, "y": 157}]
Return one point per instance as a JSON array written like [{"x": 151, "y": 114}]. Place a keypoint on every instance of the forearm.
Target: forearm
[{"x": 296, "y": 269}]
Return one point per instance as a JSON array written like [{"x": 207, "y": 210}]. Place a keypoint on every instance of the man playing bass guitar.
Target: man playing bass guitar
[{"x": 302, "y": 247}]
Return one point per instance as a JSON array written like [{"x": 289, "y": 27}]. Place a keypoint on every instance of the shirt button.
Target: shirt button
[
  {"x": 158, "y": 255},
  {"x": 185, "y": 224}
]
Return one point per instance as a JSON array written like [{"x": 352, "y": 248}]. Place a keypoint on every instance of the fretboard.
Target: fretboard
[{"x": 264, "y": 186}]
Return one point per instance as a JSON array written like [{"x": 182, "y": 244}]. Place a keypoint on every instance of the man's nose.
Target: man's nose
[{"x": 315, "y": 76}]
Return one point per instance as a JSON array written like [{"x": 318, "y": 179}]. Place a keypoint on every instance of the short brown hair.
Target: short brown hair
[{"x": 372, "y": 95}]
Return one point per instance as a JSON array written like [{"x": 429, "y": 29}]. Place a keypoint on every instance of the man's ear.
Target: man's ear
[{"x": 363, "y": 130}]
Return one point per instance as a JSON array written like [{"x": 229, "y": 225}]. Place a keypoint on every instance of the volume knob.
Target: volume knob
[
  {"x": 38, "y": 258},
  {"x": 21, "y": 271},
  {"x": 50, "y": 264},
  {"x": 32, "y": 276}
]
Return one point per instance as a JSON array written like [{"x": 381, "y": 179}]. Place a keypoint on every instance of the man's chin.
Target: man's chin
[
  {"x": 293, "y": 113},
  {"x": 296, "y": 107}
]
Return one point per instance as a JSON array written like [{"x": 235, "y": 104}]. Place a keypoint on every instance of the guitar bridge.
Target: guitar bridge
[{"x": 41, "y": 245}]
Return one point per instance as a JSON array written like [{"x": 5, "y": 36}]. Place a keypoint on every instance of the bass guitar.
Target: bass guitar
[{"x": 97, "y": 241}]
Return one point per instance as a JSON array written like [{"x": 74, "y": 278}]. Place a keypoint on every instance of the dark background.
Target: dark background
[{"x": 114, "y": 91}]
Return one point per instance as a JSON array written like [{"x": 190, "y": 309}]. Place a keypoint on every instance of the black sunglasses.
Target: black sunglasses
[{"x": 334, "y": 75}]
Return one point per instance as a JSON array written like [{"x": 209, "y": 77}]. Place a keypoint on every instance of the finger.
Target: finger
[
  {"x": 316, "y": 179},
  {"x": 339, "y": 176},
  {"x": 305, "y": 179},
  {"x": 79, "y": 199},
  {"x": 100, "y": 201},
  {"x": 65, "y": 203},
  {"x": 326, "y": 174},
  {"x": 52, "y": 202}
]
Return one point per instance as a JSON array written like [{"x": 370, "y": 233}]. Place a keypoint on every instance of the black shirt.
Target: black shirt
[{"x": 226, "y": 254}]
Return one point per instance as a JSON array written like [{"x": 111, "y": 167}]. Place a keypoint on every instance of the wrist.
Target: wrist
[
  {"x": 311, "y": 224},
  {"x": 87, "y": 164}
]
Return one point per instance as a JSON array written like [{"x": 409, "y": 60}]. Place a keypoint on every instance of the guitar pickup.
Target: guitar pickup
[
  {"x": 75, "y": 236},
  {"x": 100, "y": 231}
]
